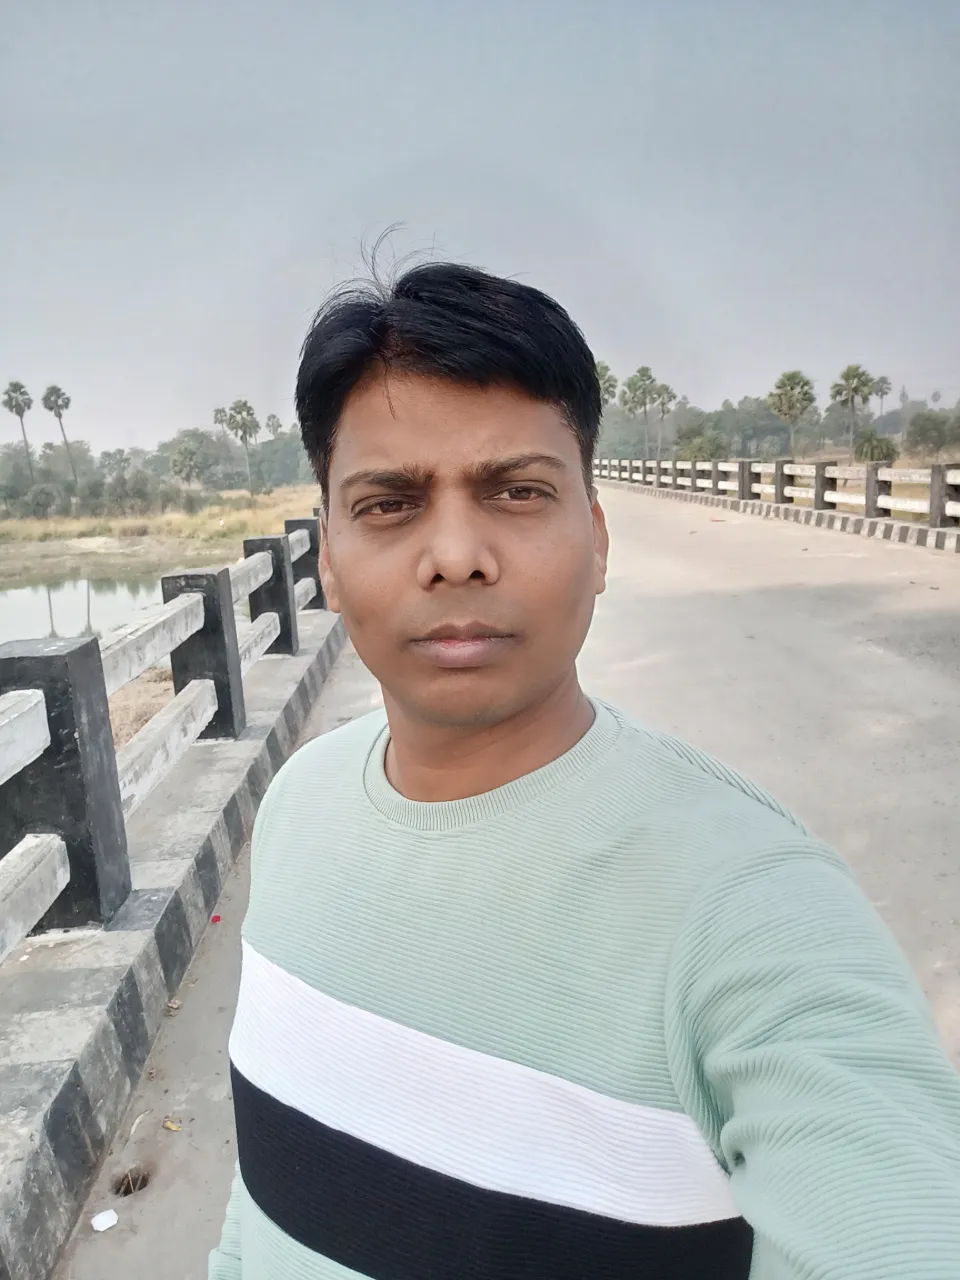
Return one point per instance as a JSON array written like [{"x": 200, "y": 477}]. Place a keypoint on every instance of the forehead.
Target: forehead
[{"x": 391, "y": 420}]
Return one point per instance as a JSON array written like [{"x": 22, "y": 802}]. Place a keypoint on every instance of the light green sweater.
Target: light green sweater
[{"x": 621, "y": 1017}]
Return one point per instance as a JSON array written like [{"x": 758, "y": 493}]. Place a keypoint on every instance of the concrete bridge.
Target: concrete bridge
[{"x": 825, "y": 666}]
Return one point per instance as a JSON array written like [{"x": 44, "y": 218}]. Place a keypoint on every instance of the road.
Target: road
[{"x": 825, "y": 666}]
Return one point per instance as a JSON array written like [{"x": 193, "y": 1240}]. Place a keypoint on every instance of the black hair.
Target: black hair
[{"x": 450, "y": 321}]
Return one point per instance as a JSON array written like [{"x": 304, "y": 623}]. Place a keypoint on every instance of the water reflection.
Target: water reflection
[{"x": 87, "y": 606}]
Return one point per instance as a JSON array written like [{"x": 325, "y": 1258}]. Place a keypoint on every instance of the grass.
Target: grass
[
  {"x": 225, "y": 521},
  {"x": 123, "y": 547},
  {"x": 138, "y": 702}
]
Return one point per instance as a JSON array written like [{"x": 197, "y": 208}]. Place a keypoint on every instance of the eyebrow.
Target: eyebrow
[{"x": 414, "y": 477}]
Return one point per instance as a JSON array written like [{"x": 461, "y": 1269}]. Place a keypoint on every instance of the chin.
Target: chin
[{"x": 465, "y": 709}]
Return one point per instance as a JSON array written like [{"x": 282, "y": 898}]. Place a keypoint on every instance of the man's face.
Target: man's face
[{"x": 460, "y": 546}]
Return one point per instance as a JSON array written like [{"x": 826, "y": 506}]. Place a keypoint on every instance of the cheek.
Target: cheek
[
  {"x": 559, "y": 572},
  {"x": 368, "y": 583}
]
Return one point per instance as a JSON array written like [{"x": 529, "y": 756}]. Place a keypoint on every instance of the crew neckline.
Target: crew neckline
[{"x": 448, "y": 815}]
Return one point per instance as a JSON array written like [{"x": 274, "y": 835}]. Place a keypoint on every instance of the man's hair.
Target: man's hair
[{"x": 443, "y": 320}]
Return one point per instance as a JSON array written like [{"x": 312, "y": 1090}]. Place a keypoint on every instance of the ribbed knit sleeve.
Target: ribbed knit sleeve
[
  {"x": 225, "y": 1262},
  {"x": 802, "y": 1047}
]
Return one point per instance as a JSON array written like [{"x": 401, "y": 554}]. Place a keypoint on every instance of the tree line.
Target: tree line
[
  {"x": 643, "y": 417},
  {"x": 185, "y": 472}
]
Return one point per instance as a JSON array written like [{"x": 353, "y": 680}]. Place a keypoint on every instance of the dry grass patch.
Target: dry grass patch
[{"x": 139, "y": 701}]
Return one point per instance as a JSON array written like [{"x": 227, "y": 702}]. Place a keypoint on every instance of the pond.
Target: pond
[{"x": 84, "y": 606}]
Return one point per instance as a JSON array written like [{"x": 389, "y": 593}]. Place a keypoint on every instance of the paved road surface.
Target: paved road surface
[{"x": 825, "y": 666}]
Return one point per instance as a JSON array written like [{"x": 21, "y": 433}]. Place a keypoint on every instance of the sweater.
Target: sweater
[{"x": 622, "y": 1017}]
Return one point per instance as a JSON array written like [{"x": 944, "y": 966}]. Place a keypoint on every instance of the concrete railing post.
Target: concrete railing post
[
  {"x": 715, "y": 477},
  {"x": 744, "y": 479},
  {"x": 941, "y": 493},
  {"x": 657, "y": 474},
  {"x": 781, "y": 480},
  {"x": 873, "y": 488},
  {"x": 71, "y": 789},
  {"x": 212, "y": 652},
  {"x": 308, "y": 565},
  {"x": 820, "y": 486},
  {"x": 277, "y": 594}
]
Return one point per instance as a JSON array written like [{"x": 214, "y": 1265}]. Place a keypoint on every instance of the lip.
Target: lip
[{"x": 454, "y": 647}]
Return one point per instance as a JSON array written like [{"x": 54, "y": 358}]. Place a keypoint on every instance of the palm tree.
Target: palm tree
[
  {"x": 273, "y": 425},
  {"x": 854, "y": 386},
  {"x": 242, "y": 423},
  {"x": 608, "y": 383},
  {"x": 663, "y": 398},
  {"x": 185, "y": 462},
  {"x": 791, "y": 397},
  {"x": 58, "y": 402},
  {"x": 18, "y": 400},
  {"x": 881, "y": 389},
  {"x": 636, "y": 396},
  {"x": 871, "y": 447}
]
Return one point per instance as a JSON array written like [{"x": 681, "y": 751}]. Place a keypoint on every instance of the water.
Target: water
[{"x": 86, "y": 606}]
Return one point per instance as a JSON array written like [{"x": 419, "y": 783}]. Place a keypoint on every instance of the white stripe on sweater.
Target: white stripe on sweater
[{"x": 490, "y": 1122}]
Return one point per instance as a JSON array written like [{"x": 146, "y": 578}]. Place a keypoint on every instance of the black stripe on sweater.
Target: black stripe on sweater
[{"x": 390, "y": 1219}]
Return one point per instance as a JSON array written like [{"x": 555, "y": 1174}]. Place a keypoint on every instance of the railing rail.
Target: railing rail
[
  {"x": 139, "y": 645},
  {"x": 24, "y": 732},
  {"x": 65, "y": 792},
  {"x": 874, "y": 489},
  {"x": 248, "y": 574}
]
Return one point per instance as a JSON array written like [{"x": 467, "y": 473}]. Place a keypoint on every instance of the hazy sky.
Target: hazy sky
[{"x": 721, "y": 190}]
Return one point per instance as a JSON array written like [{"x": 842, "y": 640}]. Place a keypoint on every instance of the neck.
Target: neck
[{"x": 438, "y": 762}]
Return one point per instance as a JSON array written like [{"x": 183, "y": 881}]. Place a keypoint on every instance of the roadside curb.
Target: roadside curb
[
  {"x": 897, "y": 531},
  {"x": 80, "y": 1009}
]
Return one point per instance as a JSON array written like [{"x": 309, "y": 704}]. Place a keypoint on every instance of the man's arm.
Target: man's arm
[
  {"x": 803, "y": 1048},
  {"x": 225, "y": 1260}
]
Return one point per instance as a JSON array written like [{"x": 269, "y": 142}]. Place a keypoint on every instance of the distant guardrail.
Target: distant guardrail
[
  {"x": 65, "y": 792},
  {"x": 873, "y": 489}
]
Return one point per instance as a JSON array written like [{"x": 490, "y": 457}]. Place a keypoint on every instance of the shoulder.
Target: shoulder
[
  {"x": 331, "y": 758},
  {"x": 304, "y": 823},
  {"x": 702, "y": 810},
  {"x": 315, "y": 782}
]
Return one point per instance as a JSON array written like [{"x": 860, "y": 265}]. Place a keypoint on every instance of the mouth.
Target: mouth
[{"x": 463, "y": 647}]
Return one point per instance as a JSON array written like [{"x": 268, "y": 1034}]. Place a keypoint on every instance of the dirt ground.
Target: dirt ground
[{"x": 139, "y": 701}]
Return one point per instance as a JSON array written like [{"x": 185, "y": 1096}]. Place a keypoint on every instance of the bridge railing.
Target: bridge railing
[
  {"x": 65, "y": 792},
  {"x": 874, "y": 489}
]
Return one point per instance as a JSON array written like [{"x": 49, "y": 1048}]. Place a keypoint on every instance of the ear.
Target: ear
[
  {"x": 328, "y": 579},
  {"x": 601, "y": 544}
]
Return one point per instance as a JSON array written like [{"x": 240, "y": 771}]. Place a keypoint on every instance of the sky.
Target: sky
[{"x": 719, "y": 189}]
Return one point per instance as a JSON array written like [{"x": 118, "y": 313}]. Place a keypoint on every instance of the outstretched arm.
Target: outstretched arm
[{"x": 803, "y": 1048}]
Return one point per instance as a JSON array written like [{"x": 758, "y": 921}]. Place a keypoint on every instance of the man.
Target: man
[{"x": 531, "y": 991}]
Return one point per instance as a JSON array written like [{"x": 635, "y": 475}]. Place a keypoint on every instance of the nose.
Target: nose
[{"x": 457, "y": 547}]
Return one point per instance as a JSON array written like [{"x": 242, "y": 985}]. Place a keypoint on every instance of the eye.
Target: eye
[
  {"x": 384, "y": 507},
  {"x": 521, "y": 493}
]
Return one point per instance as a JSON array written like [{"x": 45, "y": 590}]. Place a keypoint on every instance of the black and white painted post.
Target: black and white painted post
[
  {"x": 70, "y": 790},
  {"x": 212, "y": 652}
]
